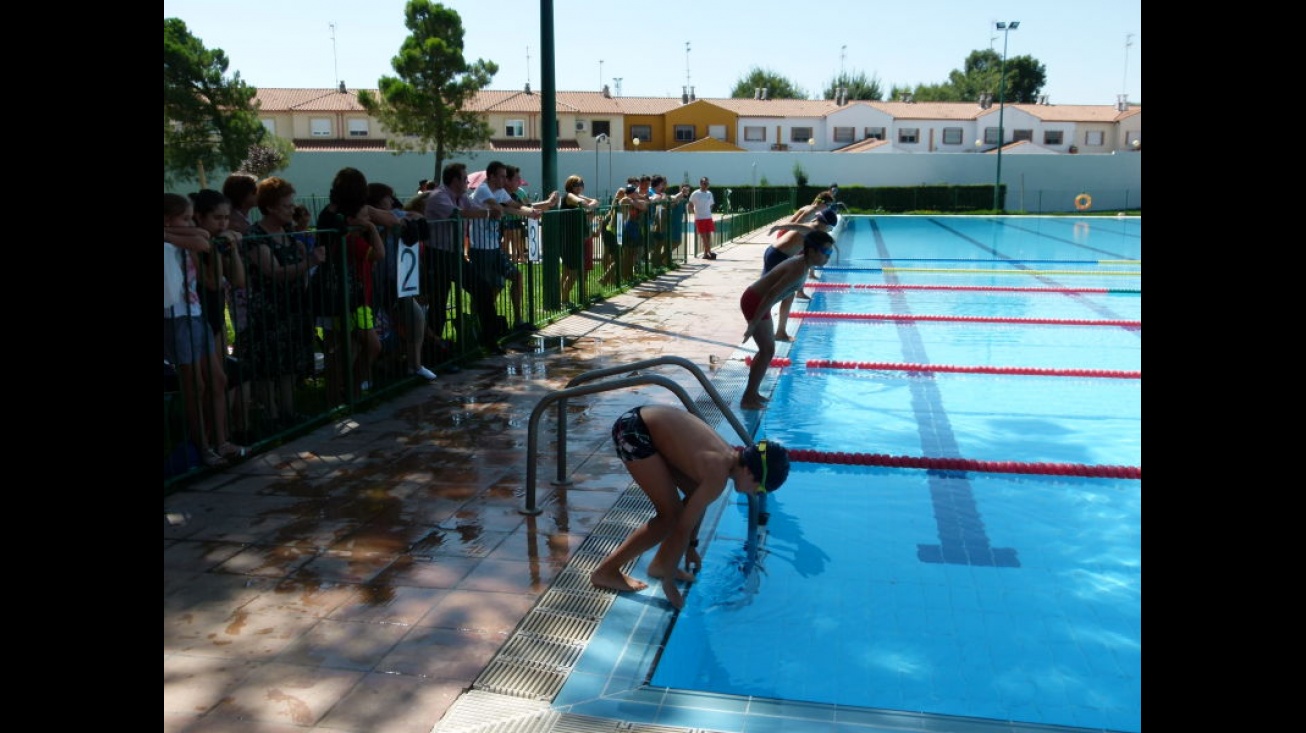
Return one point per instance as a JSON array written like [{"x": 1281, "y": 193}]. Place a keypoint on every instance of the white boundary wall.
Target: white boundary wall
[{"x": 1036, "y": 183}]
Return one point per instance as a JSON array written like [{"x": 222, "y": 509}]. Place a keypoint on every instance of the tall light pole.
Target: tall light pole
[
  {"x": 601, "y": 138},
  {"x": 604, "y": 137},
  {"x": 1002, "y": 90}
]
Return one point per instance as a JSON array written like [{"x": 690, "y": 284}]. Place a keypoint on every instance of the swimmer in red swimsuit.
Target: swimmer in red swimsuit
[{"x": 756, "y": 302}]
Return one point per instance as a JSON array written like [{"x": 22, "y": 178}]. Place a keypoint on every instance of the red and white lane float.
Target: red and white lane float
[
  {"x": 908, "y": 317},
  {"x": 817, "y": 285},
  {"x": 965, "y": 464},
  {"x": 955, "y": 369}
]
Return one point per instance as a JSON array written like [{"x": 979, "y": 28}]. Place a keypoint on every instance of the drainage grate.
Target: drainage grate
[
  {"x": 541, "y": 653},
  {"x": 587, "y": 605},
  {"x": 482, "y": 712},
  {"x": 517, "y": 680},
  {"x": 556, "y": 627}
]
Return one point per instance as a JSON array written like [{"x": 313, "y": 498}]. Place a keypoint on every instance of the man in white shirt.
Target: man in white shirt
[
  {"x": 701, "y": 203},
  {"x": 488, "y": 265}
]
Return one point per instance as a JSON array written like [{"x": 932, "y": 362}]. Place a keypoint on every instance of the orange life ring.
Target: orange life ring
[{"x": 1083, "y": 202}]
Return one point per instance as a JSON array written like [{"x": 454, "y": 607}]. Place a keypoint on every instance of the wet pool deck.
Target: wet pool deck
[{"x": 360, "y": 578}]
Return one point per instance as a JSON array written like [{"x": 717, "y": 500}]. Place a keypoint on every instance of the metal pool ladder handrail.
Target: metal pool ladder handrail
[{"x": 577, "y": 387}]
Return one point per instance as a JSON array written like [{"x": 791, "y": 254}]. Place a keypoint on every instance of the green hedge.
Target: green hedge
[{"x": 891, "y": 199}]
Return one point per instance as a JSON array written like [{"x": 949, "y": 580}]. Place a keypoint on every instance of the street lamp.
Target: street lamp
[
  {"x": 636, "y": 141},
  {"x": 598, "y": 140},
  {"x": 1002, "y": 90}
]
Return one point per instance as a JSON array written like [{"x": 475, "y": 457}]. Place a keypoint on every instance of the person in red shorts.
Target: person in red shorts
[{"x": 700, "y": 204}]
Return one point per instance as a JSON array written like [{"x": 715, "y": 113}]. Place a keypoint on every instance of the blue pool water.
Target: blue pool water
[{"x": 931, "y": 593}]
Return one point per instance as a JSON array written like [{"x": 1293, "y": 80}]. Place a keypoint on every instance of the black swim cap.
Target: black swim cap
[
  {"x": 817, "y": 239},
  {"x": 771, "y": 476}
]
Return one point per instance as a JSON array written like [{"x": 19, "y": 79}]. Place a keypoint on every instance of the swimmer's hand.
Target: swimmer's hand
[{"x": 693, "y": 562}]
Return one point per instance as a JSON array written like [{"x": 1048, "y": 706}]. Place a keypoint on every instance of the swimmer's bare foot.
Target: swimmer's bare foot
[
  {"x": 782, "y": 336},
  {"x": 804, "y": 296},
  {"x": 618, "y": 581},
  {"x": 681, "y": 574},
  {"x": 757, "y": 402}
]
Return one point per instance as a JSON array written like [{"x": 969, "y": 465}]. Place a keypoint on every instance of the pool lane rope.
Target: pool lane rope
[
  {"x": 817, "y": 285},
  {"x": 977, "y": 369},
  {"x": 804, "y": 455},
  {"x": 968, "y": 270},
  {"x": 828, "y": 315},
  {"x": 966, "y": 464}
]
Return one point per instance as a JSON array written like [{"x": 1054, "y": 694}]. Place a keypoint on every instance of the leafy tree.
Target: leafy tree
[
  {"x": 777, "y": 87},
  {"x": 858, "y": 86},
  {"x": 1025, "y": 79},
  {"x": 269, "y": 156},
  {"x": 981, "y": 74},
  {"x": 929, "y": 93},
  {"x": 435, "y": 85},
  {"x": 209, "y": 120}
]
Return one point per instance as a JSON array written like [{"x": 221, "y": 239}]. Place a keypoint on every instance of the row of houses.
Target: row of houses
[{"x": 333, "y": 120}]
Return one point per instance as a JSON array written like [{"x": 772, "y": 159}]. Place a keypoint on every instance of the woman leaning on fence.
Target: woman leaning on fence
[{"x": 277, "y": 341}]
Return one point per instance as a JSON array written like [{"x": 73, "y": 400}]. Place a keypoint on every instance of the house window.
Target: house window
[
  {"x": 601, "y": 127},
  {"x": 844, "y": 134},
  {"x": 990, "y": 136},
  {"x": 684, "y": 133},
  {"x": 800, "y": 134},
  {"x": 515, "y": 128},
  {"x": 755, "y": 134},
  {"x": 270, "y": 125},
  {"x": 643, "y": 132},
  {"x": 874, "y": 133},
  {"x": 717, "y": 131},
  {"x": 358, "y": 128},
  {"x": 909, "y": 134},
  {"x": 952, "y": 136},
  {"x": 1018, "y": 135},
  {"x": 319, "y": 127},
  {"x": 1093, "y": 137},
  {"x": 1053, "y": 137}
]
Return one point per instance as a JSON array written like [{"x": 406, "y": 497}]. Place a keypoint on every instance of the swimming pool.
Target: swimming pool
[{"x": 1005, "y": 595}]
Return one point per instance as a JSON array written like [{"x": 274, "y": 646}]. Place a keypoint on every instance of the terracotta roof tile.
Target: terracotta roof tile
[
  {"x": 777, "y": 107},
  {"x": 308, "y": 100},
  {"x": 930, "y": 110},
  {"x": 1075, "y": 112}
]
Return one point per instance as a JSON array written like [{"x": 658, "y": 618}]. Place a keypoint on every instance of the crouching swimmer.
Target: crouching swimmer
[{"x": 670, "y": 452}]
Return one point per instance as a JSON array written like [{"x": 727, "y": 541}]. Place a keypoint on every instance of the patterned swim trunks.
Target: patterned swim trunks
[{"x": 631, "y": 438}]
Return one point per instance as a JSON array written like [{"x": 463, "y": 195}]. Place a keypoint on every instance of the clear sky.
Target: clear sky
[{"x": 1092, "y": 51}]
